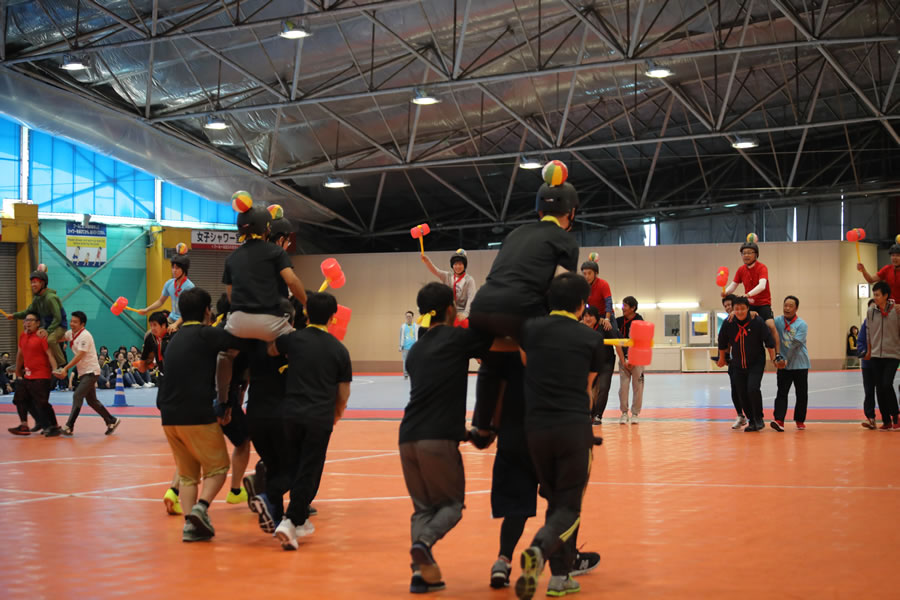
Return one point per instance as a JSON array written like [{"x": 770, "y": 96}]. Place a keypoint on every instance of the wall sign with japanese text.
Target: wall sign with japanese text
[
  {"x": 86, "y": 244},
  {"x": 214, "y": 239}
]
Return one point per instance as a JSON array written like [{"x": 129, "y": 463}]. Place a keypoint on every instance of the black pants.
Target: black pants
[
  {"x": 749, "y": 386},
  {"x": 868, "y": 376},
  {"x": 306, "y": 446},
  {"x": 884, "y": 370},
  {"x": 33, "y": 396},
  {"x": 735, "y": 396},
  {"x": 799, "y": 379},
  {"x": 600, "y": 389},
  {"x": 267, "y": 435},
  {"x": 562, "y": 460},
  {"x": 86, "y": 391},
  {"x": 493, "y": 369}
]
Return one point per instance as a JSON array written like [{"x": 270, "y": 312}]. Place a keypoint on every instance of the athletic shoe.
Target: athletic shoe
[
  {"x": 287, "y": 534},
  {"x": 261, "y": 506},
  {"x": 740, "y": 422},
  {"x": 312, "y": 511},
  {"x": 751, "y": 428},
  {"x": 418, "y": 585},
  {"x": 20, "y": 430},
  {"x": 886, "y": 427},
  {"x": 623, "y": 420},
  {"x": 67, "y": 431},
  {"x": 36, "y": 428},
  {"x": 585, "y": 562},
  {"x": 190, "y": 533},
  {"x": 200, "y": 518},
  {"x": 173, "y": 504},
  {"x": 896, "y": 427},
  {"x": 532, "y": 564},
  {"x": 500, "y": 573},
  {"x": 259, "y": 477},
  {"x": 869, "y": 424},
  {"x": 136, "y": 386},
  {"x": 634, "y": 419},
  {"x": 239, "y": 498},
  {"x": 422, "y": 557},
  {"x": 598, "y": 421},
  {"x": 113, "y": 426},
  {"x": 249, "y": 484},
  {"x": 306, "y": 529},
  {"x": 801, "y": 425},
  {"x": 52, "y": 432},
  {"x": 560, "y": 585},
  {"x": 777, "y": 425}
]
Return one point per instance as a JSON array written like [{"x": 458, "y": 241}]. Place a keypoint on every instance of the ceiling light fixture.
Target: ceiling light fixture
[
  {"x": 336, "y": 183},
  {"x": 215, "y": 122},
  {"x": 290, "y": 31},
  {"x": 657, "y": 72},
  {"x": 423, "y": 98},
  {"x": 72, "y": 62},
  {"x": 731, "y": 205},
  {"x": 530, "y": 162},
  {"x": 742, "y": 143}
]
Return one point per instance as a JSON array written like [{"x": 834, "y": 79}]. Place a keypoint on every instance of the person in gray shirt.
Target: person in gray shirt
[{"x": 883, "y": 324}]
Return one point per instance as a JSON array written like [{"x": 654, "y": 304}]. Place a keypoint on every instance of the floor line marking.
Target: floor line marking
[{"x": 853, "y": 488}]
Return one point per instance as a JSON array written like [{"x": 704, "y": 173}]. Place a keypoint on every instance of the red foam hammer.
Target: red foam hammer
[
  {"x": 722, "y": 277},
  {"x": 339, "y": 322},
  {"x": 334, "y": 275},
  {"x": 119, "y": 305},
  {"x": 418, "y": 232},
  {"x": 641, "y": 343}
]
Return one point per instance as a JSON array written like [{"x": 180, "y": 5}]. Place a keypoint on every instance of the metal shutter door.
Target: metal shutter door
[
  {"x": 206, "y": 271},
  {"x": 8, "y": 296}
]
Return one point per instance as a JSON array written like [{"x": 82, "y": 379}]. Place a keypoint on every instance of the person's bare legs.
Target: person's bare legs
[{"x": 211, "y": 487}]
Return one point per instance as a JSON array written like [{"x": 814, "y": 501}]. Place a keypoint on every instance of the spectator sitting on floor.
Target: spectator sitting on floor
[
  {"x": 7, "y": 380},
  {"x": 107, "y": 378}
]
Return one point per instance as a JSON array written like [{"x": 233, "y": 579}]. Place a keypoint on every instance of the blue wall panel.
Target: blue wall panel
[
  {"x": 9, "y": 159},
  {"x": 126, "y": 276},
  {"x": 181, "y": 205}
]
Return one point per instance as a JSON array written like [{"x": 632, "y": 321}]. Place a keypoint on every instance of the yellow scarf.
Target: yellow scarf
[
  {"x": 425, "y": 320},
  {"x": 552, "y": 219},
  {"x": 186, "y": 323},
  {"x": 322, "y": 327},
  {"x": 564, "y": 313},
  {"x": 252, "y": 236}
]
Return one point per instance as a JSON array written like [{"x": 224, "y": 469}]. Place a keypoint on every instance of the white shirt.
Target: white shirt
[{"x": 84, "y": 341}]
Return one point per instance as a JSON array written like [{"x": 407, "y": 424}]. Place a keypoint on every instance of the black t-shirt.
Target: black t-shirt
[
  {"x": 155, "y": 349},
  {"x": 438, "y": 371},
  {"x": 561, "y": 354},
  {"x": 625, "y": 328},
  {"x": 188, "y": 390},
  {"x": 254, "y": 272},
  {"x": 317, "y": 363},
  {"x": 523, "y": 269},
  {"x": 265, "y": 397}
]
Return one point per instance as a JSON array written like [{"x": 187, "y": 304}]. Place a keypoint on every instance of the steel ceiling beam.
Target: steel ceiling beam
[
  {"x": 503, "y": 77},
  {"x": 461, "y": 194}
]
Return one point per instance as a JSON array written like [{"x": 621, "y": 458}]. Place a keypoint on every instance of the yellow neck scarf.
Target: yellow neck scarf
[
  {"x": 552, "y": 219},
  {"x": 564, "y": 313},
  {"x": 186, "y": 323},
  {"x": 322, "y": 327},
  {"x": 425, "y": 320}
]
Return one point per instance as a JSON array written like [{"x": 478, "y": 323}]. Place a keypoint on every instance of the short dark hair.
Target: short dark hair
[
  {"x": 409, "y": 312},
  {"x": 568, "y": 291},
  {"x": 435, "y": 297},
  {"x": 740, "y": 300},
  {"x": 81, "y": 316},
  {"x": 193, "y": 304},
  {"x": 320, "y": 306},
  {"x": 593, "y": 311},
  {"x": 159, "y": 317},
  {"x": 33, "y": 313},
  {"x": 104, "y": 348},
  {"x": 883, "y": 287},
  {"x": 794, "y": 298},
  {"x": 728, "y": 298},
  {"x": 630, "y": 301}
]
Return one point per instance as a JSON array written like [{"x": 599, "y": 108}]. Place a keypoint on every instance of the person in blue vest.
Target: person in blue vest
[
  {"x": 794, "y": 367},
  {"x": 408, "y": 335}
]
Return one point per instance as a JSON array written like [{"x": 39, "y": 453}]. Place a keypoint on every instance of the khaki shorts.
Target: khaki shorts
[
  {"x": 257, "y": 326},
  {"x": 196, "y": 447}
]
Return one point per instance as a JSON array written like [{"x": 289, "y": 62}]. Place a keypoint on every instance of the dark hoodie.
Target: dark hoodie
[{"x": 748, "y": 340}]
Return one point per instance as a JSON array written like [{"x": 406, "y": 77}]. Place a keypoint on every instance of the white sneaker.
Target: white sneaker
[
  {"x": 634, "y": 419},
  {"x": 286, "y": 534},
  {"x": 135, "y": 386},
  {"x": 306, "y": 529},
  {"x": 740, "y": 422},
  {"x": 148, "y": 384},
  {"x": 623, "y": 420}
]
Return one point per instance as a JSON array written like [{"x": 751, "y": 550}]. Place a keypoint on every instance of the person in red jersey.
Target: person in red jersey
[
  {"x": 755, "y": 277},
  {"x": 890, "y": 274}
]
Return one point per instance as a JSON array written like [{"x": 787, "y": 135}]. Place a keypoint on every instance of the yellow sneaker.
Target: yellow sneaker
[
  {"x": 173, "y": 504},
  {"x": 237, "y": 498}
]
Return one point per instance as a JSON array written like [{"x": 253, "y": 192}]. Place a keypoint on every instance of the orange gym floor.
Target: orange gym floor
[{"x": 678, "y": 509}]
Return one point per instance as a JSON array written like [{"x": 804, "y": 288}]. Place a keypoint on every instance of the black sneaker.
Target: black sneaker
[
  {"x": 422, "y": 558},
  {"x": 20, "y": 430},
  {"x": 249, "y": 483},
  {"x": 598, "y": 421},
  {"x": 113, "y": 426},
  {"x": 53, "y": 432},
  {"x": 312, "y": 511},
  {"x": 500, "y": 573},
  {"x": 585, "y": 562},
  {"x": 36, "y": 428},
  {"x": 417, "y": 585}
]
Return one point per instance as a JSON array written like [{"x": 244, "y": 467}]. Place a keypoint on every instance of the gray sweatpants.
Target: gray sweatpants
[
  {"x": 434, "y": 475},
  {"x": 634, "y": 380}
]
